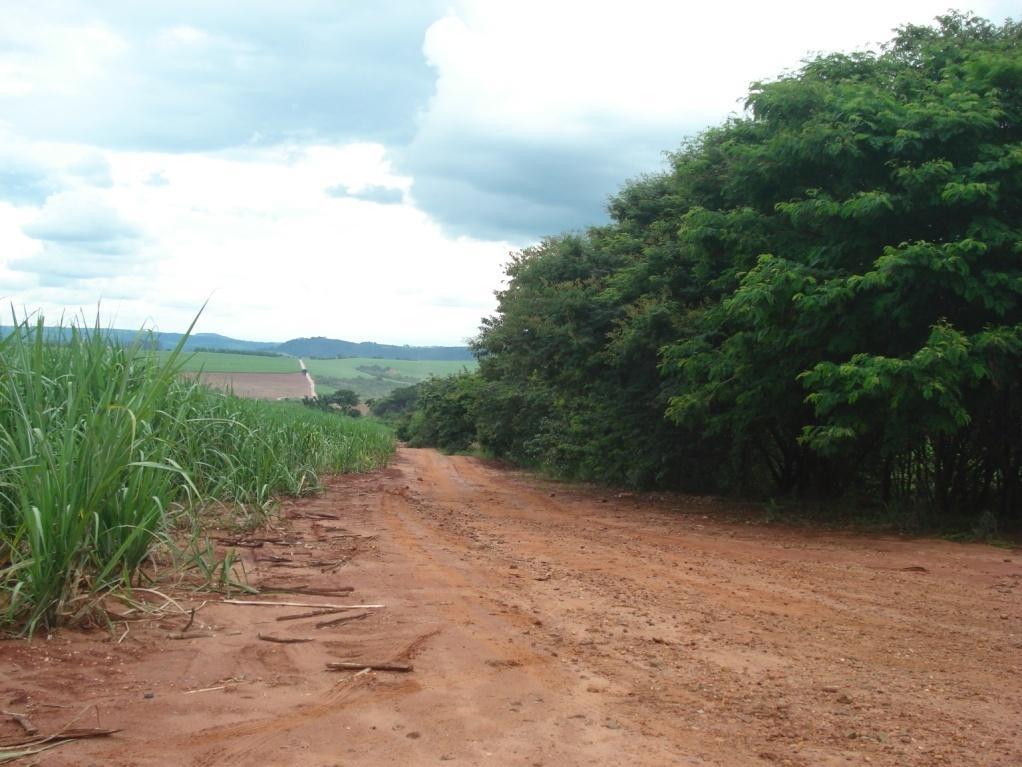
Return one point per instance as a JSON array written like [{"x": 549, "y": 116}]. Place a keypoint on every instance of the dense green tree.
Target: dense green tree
[
  {"x": 342, "y": 398},
  {"x": 444, "y": 414},
  {"x": 821, "y": 296},
  {"x": 400, "y": 401}
]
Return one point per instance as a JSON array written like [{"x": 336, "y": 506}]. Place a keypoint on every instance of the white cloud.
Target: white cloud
[
  {"x": 324, "y": 168},
  {"x": 254, "y": 230},
  {"x": 542, "y": 109},
  {"x": 83, "y": 219},
  {"x": 561, "y": 69}
]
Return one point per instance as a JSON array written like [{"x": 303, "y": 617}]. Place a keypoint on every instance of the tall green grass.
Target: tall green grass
[{"x": 103, "y": 445}]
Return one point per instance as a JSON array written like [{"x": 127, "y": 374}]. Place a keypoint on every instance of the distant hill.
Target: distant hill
[
  {"x": 215, "y": 341},
  {"x": 169, "y": 340},
  {"x": 296, "y": 347},
  {"x": 331, "y": 347}
]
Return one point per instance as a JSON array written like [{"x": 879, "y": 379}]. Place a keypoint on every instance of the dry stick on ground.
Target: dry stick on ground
[
  {"x": 272, "y": 558},
  {"x": 393, "y": 665},
  {"x": 71, "y": 733},
  {"x": 24, "y": 721},
  {"x": 336, "y": 592},
  {"x": 242, "y": 544},
  {"x": 311, "y": 614},
  {"x": 255, "y": 602},
  {"x": 283, "y": 640},
  {"x": 190, "y": 635},
  {"x": 344, "y": 666},
  {"x": 415, "y": 644},
  {"x": 116, "y": 617},
  {"x": 343, "y": 619},
  {"x": 64, "y": 734}
]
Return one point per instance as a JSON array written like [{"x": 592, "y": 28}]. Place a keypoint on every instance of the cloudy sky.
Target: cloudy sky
[{"x": 358, "y": 170}]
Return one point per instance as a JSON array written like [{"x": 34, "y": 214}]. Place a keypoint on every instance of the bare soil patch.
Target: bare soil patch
[
  {"x": 260, "y": 385},
  {"x": 553, "y": 626}
]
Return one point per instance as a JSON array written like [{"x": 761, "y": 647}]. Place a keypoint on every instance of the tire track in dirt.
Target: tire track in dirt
[
  {"x": 565, "y": 626},
  {"x": 782, "y": 641}
]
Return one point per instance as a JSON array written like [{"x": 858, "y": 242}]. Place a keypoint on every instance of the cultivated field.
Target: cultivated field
[
  {"x": 221, "y": 362},
  {"x": 372, "y": 378},
  {"x": 369, "y": 377},
  {"x": 259, "y": 385}
]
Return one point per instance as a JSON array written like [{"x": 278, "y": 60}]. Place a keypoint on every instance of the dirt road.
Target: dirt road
[
  {"x": 308, "y": 375},
  {"x": 557, "y": 626}
]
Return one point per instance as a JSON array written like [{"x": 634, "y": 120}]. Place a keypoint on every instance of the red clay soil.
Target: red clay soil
[
  {"x": 555, "y": 626},
  {"x": 260, "y": 385}
]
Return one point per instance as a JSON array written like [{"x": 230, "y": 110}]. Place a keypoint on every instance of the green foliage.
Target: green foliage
[
  {"x": 342, "y": 398},
  {"x": 445, "y": 413},
  {"x": 399, "y": 402},
  {"x": 103, "y": 447},
  {"x": 342, "y": 401},
  {"x": 822, "y": 298}
]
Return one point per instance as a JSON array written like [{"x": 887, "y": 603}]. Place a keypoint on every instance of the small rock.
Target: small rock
[
  {"x": 149, "y": 695},
  {"x": 414, "y": 735}
]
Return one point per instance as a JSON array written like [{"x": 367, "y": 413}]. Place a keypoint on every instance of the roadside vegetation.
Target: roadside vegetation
[
  {"x": 105, "y": 450},
  {"x": 821, "y": 299}
]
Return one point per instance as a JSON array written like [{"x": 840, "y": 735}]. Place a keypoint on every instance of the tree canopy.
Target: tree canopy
[{"x": 821, "y": 296}]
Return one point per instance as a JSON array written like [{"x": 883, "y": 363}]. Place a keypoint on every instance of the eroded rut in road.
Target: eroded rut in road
[{"x": 551, "y": 625}]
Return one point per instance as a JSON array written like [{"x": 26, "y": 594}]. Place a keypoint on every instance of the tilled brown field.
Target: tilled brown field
[
  {"x": 260, "y": 385},
  {"x": 554, "y": 626}
]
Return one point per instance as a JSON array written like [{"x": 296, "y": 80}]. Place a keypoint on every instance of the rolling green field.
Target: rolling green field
[
  {"x": 220, "y": 362},
  {"x": 369, "y": 377}
]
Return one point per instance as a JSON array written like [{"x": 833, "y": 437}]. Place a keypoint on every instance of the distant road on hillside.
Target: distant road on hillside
[{"x": 308, "y": 376}]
